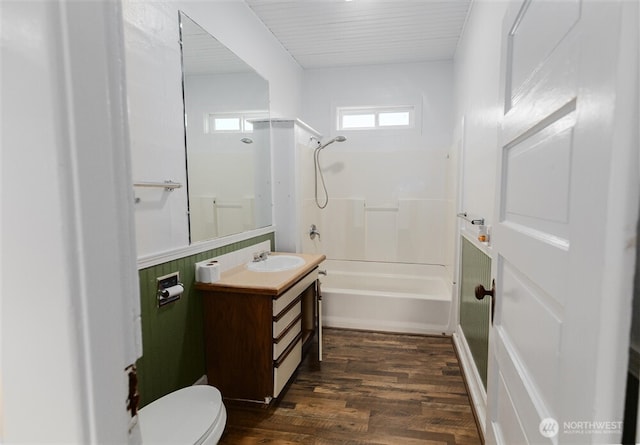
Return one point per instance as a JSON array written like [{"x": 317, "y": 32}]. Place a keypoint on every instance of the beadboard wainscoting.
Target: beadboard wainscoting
[{"x": 173, "y": 335}]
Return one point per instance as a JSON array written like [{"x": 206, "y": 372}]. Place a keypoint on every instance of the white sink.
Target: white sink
[{"x": 276, "y": 263}]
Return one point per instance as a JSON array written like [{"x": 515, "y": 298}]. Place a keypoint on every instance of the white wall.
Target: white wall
[
  {"x": 384, "y": 168},
  {"x": 69, "y": 278},
  {"x": 155, "y": 100},
  {"x": 292, "y": 142},
  {"x": 477, "y": 78},
  {"x": 477, "y": 113}
]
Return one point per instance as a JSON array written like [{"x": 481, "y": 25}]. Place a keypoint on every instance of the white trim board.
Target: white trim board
[
  {"x": 472, "y": 378},
  {"x": 181, "y": 252}
]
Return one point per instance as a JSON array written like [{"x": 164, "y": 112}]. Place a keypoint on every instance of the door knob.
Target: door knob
[{"x": 481, "y": 292}]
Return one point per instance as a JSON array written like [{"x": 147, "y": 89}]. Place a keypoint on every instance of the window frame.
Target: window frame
[
  {"x": 376, "y": 111},
  {"x": 244, "y": 118}
]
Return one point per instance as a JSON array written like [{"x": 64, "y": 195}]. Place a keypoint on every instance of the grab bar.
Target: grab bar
[
  {"x": 475, "y": 222},
  {"x": 380, "y": 208}
]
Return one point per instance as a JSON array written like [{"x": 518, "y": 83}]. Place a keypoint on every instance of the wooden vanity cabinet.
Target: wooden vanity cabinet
[{"x": 254, "y": 338}]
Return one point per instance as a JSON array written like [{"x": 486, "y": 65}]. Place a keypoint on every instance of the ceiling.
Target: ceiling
[
  {"x": 329, "y": 33},
  {"x": 203, "y": 54}
]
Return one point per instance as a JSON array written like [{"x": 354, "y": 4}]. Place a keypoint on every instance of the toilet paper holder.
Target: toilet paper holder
[{"x": 169, "y": 288}]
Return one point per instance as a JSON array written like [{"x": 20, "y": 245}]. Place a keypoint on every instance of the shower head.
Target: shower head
[{"x": 335, "y": 139}]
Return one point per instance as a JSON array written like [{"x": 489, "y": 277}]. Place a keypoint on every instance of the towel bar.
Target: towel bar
[
  {"x": 475, "y": 222},
  {"x": 167, "y": 185}
]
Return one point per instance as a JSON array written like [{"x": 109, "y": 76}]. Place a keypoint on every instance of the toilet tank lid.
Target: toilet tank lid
[{"x": 185, "y": 416}]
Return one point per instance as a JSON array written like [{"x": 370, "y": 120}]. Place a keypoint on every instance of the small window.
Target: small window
[
  {"x": 358, "y": 121},
  {"x": 239, "y": 122},
  {"x": 371, "y": 118},
  {"x": 394, "y": 119},
  {"x": 226, "y": 124}
]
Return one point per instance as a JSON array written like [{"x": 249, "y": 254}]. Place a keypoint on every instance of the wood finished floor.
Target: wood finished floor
[{"x": 371, "y": 388}]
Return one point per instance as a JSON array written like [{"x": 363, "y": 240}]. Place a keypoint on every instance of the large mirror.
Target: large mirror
[{"x": 227, "y": 132}]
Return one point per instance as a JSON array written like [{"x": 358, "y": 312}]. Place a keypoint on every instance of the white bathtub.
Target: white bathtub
[{"x": 392, "y": 297}]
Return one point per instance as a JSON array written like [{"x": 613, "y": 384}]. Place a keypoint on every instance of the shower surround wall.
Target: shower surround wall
[
  {"x": 389, "y": 200},
  {"x": 293, "y": 143}
]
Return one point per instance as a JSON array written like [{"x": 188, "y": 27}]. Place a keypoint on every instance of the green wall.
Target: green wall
[
  {"x": 173, "y": 335},
  {"x": 474, "y": 313}
]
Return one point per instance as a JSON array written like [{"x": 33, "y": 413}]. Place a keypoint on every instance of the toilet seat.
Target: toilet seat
[{"x": 193, "y": 415}]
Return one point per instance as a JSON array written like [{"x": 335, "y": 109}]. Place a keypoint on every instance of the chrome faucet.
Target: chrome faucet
[
  {"x": 260, "y": 256},
  {"x": 313, "y": 231}
]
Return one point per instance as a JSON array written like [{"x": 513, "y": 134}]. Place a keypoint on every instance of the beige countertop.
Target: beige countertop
[{"x": 242, "y": 280}]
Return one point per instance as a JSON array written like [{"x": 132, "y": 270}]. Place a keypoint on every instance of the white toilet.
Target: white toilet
[{"x": 194, "y": 415}]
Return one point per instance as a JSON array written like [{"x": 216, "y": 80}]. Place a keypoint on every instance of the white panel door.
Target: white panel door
[{"x": 562, "y": 147}]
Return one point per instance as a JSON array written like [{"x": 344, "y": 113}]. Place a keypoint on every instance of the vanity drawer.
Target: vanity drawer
[
  {"x": 285, "y": 299},
  {"x": 281, "y": 323},
  {"x": 281, "y": 344},
  {"x": 282, "y": 371}
]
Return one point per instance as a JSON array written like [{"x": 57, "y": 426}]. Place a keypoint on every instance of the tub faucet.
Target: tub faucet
[{"x": 313, "y": 231}]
